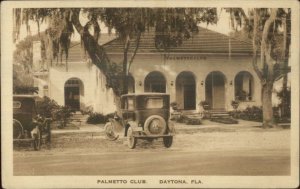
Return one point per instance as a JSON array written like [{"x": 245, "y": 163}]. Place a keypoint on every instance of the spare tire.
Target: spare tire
[{"x": 155, "y": 125}]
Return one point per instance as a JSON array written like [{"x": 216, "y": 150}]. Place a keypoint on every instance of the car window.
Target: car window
[
  {"x": 27, "y": 105},
  {"x": 154, "y": 103},
  {"x": 127, "y": 103},
  {"x": 130, "y": 105}
]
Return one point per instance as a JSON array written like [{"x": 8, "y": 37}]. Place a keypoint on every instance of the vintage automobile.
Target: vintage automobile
[
  {"x": 143, "y": 116},
  {"x": 28, "y": 125}
]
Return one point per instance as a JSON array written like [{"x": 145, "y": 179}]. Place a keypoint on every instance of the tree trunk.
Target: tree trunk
[
  {"x": 267, "y": 109},
  {"x": 268, "y": 70},
  {"x": 125, "y": 65},
  {"x": 285, "y": 55},
  {"x": 95, "y": 51}
]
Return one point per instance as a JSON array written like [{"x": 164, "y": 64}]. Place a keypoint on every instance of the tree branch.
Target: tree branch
[
  {"x": 266, "y": 47},
  {"x": 244, "y": 15},
  {"x": 135, "y": 50},
  {"x": 95, "y": 26},
  {"x": 76, "y": 22},
  {"x": 254, "y": 41}
]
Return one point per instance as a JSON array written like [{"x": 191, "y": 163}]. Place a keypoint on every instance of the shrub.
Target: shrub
[
  {"x": 205, "y": 104},
  {"x": 111, "y": 115},
  {"x": 174, "y": 106},
  {"x": 187, "y": 120},
  {"x": 179, "y": 118},
  {"x": 62, "y": 115},
  {"x": 225, "y": 120},
  {"x": 95, "y": 118},
  {"x": 235, "y": 104},
  {"x": 253, "y": 113},
  {"x": 193, "y": 121},
  {"x": 46, "y": 107},
  {"x": 285, "y": 105},
  {"x": 50, "y": 109}
]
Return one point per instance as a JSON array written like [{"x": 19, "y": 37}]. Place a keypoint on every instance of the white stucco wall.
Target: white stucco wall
[
  {"x": 42, "y": 86},
  {"x": 102, "y": 100},
  {"x": 200, "y": 67},
  {"x": 96, "y": 95}
]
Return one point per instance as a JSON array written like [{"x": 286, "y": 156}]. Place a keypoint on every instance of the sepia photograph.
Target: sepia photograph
[{"x": 150, "y": 94}]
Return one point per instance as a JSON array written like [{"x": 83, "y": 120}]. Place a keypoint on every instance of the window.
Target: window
[{"x": 154, "y": 103}]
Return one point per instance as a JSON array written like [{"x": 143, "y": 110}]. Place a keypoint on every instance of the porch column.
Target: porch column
[
  {"x": 139, "y": 85},
  {"x": 200, "y": 93},
  {"x": 230, "y": 94},
  {"x": 172, "y": 89}
]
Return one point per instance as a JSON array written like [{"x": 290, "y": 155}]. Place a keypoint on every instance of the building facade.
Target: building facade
[
  {"x": 208, "y": 67},
  {"x": 78, "y": 84}
]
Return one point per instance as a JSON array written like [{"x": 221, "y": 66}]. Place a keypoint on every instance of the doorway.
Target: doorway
[
  {"x": 186, "y": 91},
  {"x": 73, "y": 91},
  {"x": 215, "y": 90}
]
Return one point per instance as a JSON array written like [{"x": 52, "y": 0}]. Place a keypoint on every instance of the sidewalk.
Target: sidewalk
[
  {"x": 206, "y": 124},
  {"x": 83, "y": 128}
]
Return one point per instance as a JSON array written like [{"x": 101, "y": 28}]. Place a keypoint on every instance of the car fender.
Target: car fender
[{"x": 134, "y": 126}]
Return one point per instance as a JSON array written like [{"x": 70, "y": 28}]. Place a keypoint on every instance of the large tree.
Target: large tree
[
  {"x": 171, "y": 25},
  {"x": 270, "y": 31}
]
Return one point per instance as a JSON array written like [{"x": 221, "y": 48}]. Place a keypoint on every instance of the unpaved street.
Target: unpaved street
[{"x": 232, "y": 150}]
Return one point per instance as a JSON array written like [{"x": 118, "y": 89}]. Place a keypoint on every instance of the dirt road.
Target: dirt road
[{"x": 212, "y": 151}]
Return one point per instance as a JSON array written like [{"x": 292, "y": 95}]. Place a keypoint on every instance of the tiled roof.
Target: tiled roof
[
  {"x": 204, "y": 41},
  {"x": 76, "y": 52}
]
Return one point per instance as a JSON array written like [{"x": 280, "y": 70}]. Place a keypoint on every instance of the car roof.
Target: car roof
[{"x": 145, "y": 94}]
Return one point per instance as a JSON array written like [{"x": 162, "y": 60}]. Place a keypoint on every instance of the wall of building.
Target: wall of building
[
  {"x": 95, "y": 95},
  {"x": 42, "y": 86},
  {"x": 200, "y": 66},
  {"x": 104, "y": 99}
]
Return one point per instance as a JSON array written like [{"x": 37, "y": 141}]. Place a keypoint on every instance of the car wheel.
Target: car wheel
[
  {"x": 155, "y": 125},
  {"x": 37, "y": 140},
  {"x": 17, "y": 129},
  {"x": 109, "y": 132},
  {"x": 168, "y": 141},
  {"x": 131, "y": 140}
]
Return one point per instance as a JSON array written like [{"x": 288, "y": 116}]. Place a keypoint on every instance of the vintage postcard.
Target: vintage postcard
[{"x": 150, "y": 94}]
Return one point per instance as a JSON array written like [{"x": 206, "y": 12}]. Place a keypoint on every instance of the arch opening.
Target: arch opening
[
  {"x": 74, "y": 92},
  {"x": 243, "y": 86},
  {"x": 155, "y": 82},
  {"x": 131, "y": 84},
  {"x": 186, "y": 91},
  {"x": 215, "y": 89}
]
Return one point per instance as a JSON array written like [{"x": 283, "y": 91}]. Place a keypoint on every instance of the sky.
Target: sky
[{"x": 222, "y": 26}]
